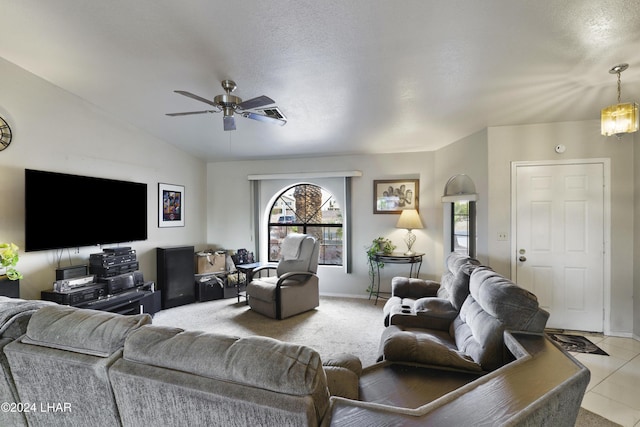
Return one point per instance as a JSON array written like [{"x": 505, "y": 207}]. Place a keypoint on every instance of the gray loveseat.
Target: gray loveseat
[
  {"x": 417, "y": 302},
  {"x": 487, "y": 362},
  {"x": 474, "y": 339}
]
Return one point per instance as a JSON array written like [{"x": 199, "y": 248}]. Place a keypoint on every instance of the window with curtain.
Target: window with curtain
[{"x": 307, "y": 209}]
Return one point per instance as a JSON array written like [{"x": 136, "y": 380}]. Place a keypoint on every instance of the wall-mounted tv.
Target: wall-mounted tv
[{"x": 68, "y": 211}]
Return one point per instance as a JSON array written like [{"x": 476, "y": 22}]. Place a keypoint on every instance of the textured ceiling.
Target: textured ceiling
[{"x": 356, "y": 76}]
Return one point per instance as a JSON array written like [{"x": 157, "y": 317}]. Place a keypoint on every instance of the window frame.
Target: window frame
[
  {"x": 303, "y": 227},
  {"x": 471, "y": 227}
]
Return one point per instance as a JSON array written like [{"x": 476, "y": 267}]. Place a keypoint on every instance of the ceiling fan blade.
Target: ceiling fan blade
[
  {"x": 187, "y": 113},
  {"x": 266, "y": 119},
  {"x": 256, "y": 102},
  {"x": 196, "y": 97},
  {"x": 229, "y": 123}
]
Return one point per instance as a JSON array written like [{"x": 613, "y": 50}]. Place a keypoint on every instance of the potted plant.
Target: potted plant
[
  {"x": 8, "y": 260},
  {"x": 379, "y": 245}
]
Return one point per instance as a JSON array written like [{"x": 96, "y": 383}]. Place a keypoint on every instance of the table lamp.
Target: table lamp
[{"x": 410, "y": 220}]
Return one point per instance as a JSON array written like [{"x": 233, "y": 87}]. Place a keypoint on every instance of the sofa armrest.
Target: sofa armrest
[
  {"x": 409, "y": 287},
  {"x": 343, "y": 375}
]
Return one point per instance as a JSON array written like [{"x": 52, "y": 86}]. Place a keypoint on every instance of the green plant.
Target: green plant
[
  {"x": 8, "y": 259},
  {"x": 378, "y": 245}
]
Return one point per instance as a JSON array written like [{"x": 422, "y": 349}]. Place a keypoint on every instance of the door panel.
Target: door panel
[{"x": 559, "y": 223}]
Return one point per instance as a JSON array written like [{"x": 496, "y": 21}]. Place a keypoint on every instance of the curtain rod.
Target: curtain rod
[{"x": 299, "y": 175}]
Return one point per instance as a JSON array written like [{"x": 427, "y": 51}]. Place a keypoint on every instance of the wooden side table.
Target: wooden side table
[{"x": 414, "y": 260}]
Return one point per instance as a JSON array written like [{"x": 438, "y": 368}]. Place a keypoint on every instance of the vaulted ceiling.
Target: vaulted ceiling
[{"x": 355, "y": 76}]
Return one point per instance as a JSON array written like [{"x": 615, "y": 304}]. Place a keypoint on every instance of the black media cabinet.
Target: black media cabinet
[
  {"x": 134, "y": 301},
  {"x": 129, "y": 302}
]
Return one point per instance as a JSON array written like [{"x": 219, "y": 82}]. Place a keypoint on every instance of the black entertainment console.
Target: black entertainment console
[{"x": 114, "y": 285}]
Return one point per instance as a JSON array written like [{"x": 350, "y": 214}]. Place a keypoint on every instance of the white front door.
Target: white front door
[{"x": 559, "y": 241}]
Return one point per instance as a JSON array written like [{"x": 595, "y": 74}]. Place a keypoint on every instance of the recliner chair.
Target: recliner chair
[{"x": 294, "y": 289}]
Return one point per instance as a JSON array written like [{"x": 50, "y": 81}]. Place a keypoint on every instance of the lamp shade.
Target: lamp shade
[
  {"x": 619, "y": 118},
  {"x": 409, "y": 219}
]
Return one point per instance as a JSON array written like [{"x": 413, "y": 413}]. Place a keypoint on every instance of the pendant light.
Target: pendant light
[{"x": 620, "y": 118}]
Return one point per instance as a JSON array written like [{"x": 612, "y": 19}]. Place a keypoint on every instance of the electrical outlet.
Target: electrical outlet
[{"x": 502, "y": 235}]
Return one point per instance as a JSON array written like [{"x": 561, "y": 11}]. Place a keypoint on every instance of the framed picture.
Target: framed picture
[
  {"x": 171, "y": 209},
  {"x": 394, "y": 196}
]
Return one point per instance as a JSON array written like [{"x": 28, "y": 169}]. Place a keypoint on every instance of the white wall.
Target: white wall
[
  {"x": 54, "y": 130},
  {"x": 582, "y": 140},
  {"x": 229, "y": 210}
]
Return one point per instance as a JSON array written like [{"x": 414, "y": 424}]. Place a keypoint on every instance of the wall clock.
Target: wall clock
[{"x": 5, "y": 134}]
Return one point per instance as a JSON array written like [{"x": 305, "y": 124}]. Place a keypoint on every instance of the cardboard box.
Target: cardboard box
[{"x": 210, "y": 262}]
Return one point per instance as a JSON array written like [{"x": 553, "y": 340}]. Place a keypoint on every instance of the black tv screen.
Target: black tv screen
[{"x": 68, "y": 211}]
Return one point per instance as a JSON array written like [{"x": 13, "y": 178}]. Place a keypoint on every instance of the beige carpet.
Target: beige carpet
[{"x": 349, "y": 325}]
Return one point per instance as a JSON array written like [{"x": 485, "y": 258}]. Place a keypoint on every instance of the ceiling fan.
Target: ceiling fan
[{"x": 230, "y": 104}]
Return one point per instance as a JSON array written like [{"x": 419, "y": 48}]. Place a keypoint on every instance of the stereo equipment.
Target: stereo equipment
[
  {"x": 119, "y": 250},
  {"x": 175, "y": 275},
  {"x": 77, "y": 282},
  {"x": 114, "y": 270},
  {"x": 76, "y": 296},
  {"x": 120, "y": 282},
  {"x": 71, "y": 271},
  {"x": 107, "y": 260},
  {"x": 139, "y": 278}
]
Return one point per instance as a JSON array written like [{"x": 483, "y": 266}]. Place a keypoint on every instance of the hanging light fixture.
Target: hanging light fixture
[{"x": 620, "y": 118}]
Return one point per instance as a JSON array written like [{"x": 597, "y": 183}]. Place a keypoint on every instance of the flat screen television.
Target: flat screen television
[{"x": 68, "y": 211}]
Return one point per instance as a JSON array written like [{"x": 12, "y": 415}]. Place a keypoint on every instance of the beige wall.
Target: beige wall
[
  {"x": 467, "y": 156},
  {"x": 582, "y": 140},
  {"x": 54, "y": 130}
]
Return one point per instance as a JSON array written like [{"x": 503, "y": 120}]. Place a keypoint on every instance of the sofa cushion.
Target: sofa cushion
[
  {"x": 413, "y": 288},
  {"x": 424, "y": 346},
  {"x": 479, "y": 335},
  {"x": 435, "y": 307},
  {"x": 514, "y": 306},
  {"x": 343, "y": 372},
  {"x": 256, "y": 361},
  {"x": 92, "y": 332},
  {"x": 454, "y": 284},
  {"x": 15, "y": 314}
]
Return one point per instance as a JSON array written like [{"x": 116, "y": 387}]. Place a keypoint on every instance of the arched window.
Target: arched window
[{"x": 307, "y": 209}]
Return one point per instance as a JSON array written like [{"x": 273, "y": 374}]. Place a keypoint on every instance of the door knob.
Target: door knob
[{"x": 522, "y": 259}]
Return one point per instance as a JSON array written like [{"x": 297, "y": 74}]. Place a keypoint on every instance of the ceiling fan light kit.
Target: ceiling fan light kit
[
  {"x": 619, "y": 118},
  {"x": 229, "y": 104}
]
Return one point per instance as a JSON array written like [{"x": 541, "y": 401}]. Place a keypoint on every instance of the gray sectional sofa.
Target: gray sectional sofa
[
  {"x": 102, "y": 369},
  {"x": 78, "y": 367}
]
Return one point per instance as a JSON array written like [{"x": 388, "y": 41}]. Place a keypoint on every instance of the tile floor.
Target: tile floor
[{"x": 614, "y": 389}]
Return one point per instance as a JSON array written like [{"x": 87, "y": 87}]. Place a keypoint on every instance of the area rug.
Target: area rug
[
  {"x": 576, "y": 343},
  {"x": 338, "y": 325}
]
